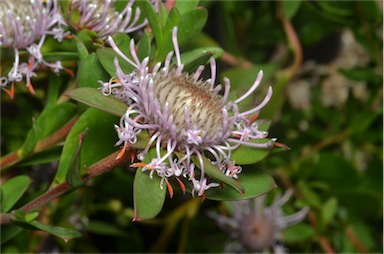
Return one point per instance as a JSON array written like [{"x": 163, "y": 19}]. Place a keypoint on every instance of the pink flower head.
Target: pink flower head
[
  {"x": 255, "y": 228},
  {"x": 101, "y": 17},
  {"x": 185, "y": 114},
  {"x": 21, "y": 24}
]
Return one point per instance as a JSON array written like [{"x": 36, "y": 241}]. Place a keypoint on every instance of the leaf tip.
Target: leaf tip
[
  {"x": 66, "y": 239},
  {"x": 135, "y": 219}
]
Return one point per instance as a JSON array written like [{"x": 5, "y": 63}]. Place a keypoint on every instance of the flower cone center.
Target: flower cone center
[{"x": 181, "y": 91}]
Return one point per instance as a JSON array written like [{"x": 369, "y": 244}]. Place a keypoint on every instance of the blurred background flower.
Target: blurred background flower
[
  {"x": 22, "y": 24},
  {"x": 254, "y": 227},
  {"x": 101, "y": 17}
]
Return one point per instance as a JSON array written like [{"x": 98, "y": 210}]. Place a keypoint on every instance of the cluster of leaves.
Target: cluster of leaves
[{"x": 59, "y": 143}]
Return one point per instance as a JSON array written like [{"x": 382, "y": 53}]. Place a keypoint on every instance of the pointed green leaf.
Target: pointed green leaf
[
  {"x": 328, "y": 212},
  {"x": 215, "y": 173},
  {"x": 189, "y": 25},
  {"x": 298, "y": 233},
  {"x": 148, "y": 196},
  {"x": 94, "y": 98},
  {"x": 290, "y": 8},
  {"x": 123, "y": 42},
  {"x": 90, "y": 72},
  {"x": 81, "y": 49},
  {"x": 185, "y": 6},
  {"x": 97, "y": 144},
  {"x": 144, "y": 49},
  {"x": 153, "y": 20},
  {"x": 49, "y": 121},
  {"x": 73, "y": 176},
  {"x": 64, "y": 233},
  {"x": 107, "y": 57},
  {"x": 60, "y": 56},
  {"x": 193, "y": 59},
  {"x": 105, "y": 228},
  {"x": 8, "y": 232},
  {"x": 12, "y": 190},
  {"x": 254, "y": 182},
  {"x": 246, "y": 155}
]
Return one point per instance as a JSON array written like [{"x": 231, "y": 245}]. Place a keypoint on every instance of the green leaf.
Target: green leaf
[
  {"x": 81, "y": 49},
  {"x": 123, "y": 42},
  {"x": 189, "y": 25},
  {"x": 97, "y": 144},
  {"x": 54, "y": 88},
  {"x": 12, "y": 190},
  {"x": 90, "y": 72},
  {"x": 215, "y": 173},
  {"x": 193, "y": 59},
  {"x": 263, "y": 124},
  {"x": 8, "y": 232},
  {"x": 94, "y": 98},
  {"x": 148, "y": 196},
  {"x": 46, "y": 156},
  {"x": 107, "y": 56},
  {"x": 362, "y": 121},
  {"x": 254, "y": 182},
  {"x": 166, "y": 45},
  {"x": 49, "y": 121},
  {"x": 144, "y": 49},
  {"x": 328, "y": 212},
  {"x": 60, "y": 56},
  {"x": 73, "y": 176},
  {"x": 153, "y": 20},
  {"x": 246, "y": 155},
  {"x": 290, "y": 8},
  {"x": 104, "y": 228},
  {"x": 185, "y": 6},
  {"x": 64, "y": 233},
  {"x": 310, "y": 196},
  {"x": 244, "y": 78},
  {"x": 86, "y": 42},
  {"x": 298, "y": 233}
]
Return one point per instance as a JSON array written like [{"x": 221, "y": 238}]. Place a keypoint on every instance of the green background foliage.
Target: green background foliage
[{"x": 327, "y": 108}]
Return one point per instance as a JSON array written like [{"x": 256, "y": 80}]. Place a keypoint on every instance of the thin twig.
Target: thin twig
[{"x": 96, "y": 169}]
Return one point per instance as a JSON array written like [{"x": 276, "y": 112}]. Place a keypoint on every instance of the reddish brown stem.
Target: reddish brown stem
[
  {"x": 96, "y": 169},
  {"x": 355, "y": 240},
  {"x": 48, "y": 142},
  {"x": 327, "y": 247},
  {"x": 293, "y": 41},
  {"x": 9, "y": 160},
  {"x": 234, "y": 61},
  {"x": 55, "y": 137}
]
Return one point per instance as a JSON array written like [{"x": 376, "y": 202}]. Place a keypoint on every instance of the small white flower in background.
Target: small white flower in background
[
  {"x": 22, "y": 23},
  {"x": 101, "y": 17},
  {"x": 183, "y": 114},
  {"x": 255, "y": 228}
]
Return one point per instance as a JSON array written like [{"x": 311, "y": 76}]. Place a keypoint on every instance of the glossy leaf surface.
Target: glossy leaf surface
[
  {"x": 215, "y": 173},
  {"x": 98, "y": 143},
  {"x": 255, "y": 183},
  {"x": 148, "y": 196},
  {"x": 93, "y": 97},
  {"x": 12, "y": 190}
]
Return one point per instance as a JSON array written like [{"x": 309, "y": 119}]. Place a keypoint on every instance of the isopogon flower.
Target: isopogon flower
[
  {"x": 183, "y": 114},
  {"x": 101, "y": 17},
  {"x": 255, "y": 228},
  {"x": 22, "y": 23}
]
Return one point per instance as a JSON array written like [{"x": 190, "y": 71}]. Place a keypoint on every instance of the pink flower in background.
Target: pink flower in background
[
  {"x": 22, "y": 23},
  {"x": 255, "y": 228},
  {"x": 101, "y": 17}
]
